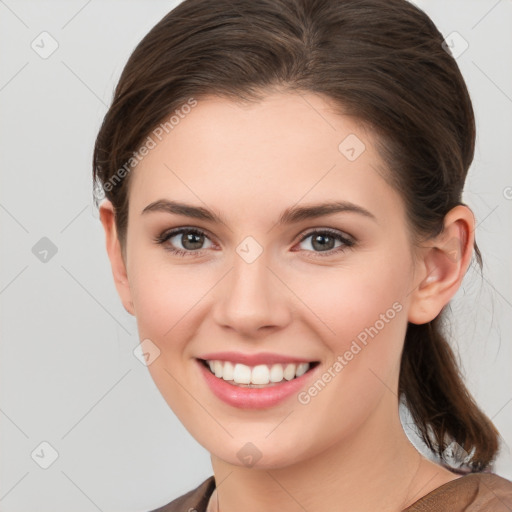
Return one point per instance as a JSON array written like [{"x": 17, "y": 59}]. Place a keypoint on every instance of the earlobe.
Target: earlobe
[
  {"x": 444, "y": 262},
  {"x": 113, "y": 246}
]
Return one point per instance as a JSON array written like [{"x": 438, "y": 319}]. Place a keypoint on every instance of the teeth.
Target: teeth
[
  {"x": 241, "y": 374},
  {"x": 218, "y": 368},
  {"x": 302, "y": 369},
  {"x": 289, "y": 371},
  {"x": 276, "y": 373},
  {"x": 228, "y": 370},
  {"x": 259, "y": 375}
]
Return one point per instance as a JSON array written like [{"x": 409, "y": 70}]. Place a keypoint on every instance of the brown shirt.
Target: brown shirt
[{"x": 476, "y": 492}]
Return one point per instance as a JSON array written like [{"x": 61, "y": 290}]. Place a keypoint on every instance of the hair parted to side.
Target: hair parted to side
[{"x": 381, "y": 61}]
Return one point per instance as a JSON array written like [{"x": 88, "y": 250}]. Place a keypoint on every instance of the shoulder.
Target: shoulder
[
  {"x": 193, "y": 501},
  {"x": 495, "y": 492},
  {"x": 475, "y": 492}
]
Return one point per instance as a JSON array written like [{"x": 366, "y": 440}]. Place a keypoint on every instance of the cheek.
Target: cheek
[
  {"x": 348, "y": 302},
  {"x": 364, "y": 361},
  {"x": 171, "y": 301},
  {"x": 163, "y": 294},
  {"x": 361, "y": 313}
]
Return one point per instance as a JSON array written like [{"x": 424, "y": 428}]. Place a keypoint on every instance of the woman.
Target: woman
[{"x": 283, "y": 216}]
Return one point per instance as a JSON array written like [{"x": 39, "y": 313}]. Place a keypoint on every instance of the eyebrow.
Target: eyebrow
[{"x": 289, "y": 216}]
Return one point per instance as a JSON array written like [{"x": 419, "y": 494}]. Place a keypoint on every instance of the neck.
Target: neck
[{"x": 375, "y": 468}]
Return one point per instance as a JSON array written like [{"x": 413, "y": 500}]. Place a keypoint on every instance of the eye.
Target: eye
[
  {"x": 190, "y": 239},
  {"x": 323, "y": 241}
]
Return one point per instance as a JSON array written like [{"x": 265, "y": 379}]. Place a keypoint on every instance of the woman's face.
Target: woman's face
[{"x": 284, "y": 291}]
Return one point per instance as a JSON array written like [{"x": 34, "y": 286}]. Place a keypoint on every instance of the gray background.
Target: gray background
[{"x": 67, "y": 369}]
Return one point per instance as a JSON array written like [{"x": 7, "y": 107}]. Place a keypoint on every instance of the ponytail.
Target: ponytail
[{"x": 439, "y": 402}]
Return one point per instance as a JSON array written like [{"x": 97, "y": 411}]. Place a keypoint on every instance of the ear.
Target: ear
[
  {"x": 107, "y": 217},
  {"x": 442, "y": 264}
]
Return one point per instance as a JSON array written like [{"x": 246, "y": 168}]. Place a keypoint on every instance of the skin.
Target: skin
[{"x": 346, "y": 448}]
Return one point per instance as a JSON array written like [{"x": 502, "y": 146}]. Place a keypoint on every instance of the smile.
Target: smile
[
  {"x": 260, "y": 375},
  {"x": 258, "y": 386}
]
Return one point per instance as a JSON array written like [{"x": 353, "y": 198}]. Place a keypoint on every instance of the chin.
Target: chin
[{"x": 260, "y": 452}]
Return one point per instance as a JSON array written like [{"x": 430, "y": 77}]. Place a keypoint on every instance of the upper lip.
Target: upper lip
[{"x": 253, "y": 359}]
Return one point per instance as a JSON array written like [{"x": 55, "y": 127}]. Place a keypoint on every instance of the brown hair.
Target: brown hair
[{"x": 382, "y": 61}]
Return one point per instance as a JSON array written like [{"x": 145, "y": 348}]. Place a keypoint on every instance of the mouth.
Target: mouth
[{"x": 258, "y": 376}]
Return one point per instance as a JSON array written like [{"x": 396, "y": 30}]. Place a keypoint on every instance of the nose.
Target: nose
[{"x": 252, "y": 300}]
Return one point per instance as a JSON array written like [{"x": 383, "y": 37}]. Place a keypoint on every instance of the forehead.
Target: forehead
[{"x": 255, "y": 157}]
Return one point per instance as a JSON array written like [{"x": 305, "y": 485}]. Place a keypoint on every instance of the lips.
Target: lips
[{"x": 255, "y": 380}]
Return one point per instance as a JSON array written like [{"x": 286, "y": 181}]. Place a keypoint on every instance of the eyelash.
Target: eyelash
[{"x": 348, "y": 243}]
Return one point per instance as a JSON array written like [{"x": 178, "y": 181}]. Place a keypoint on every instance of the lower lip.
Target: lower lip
[{"x": 253, "y": 398}]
